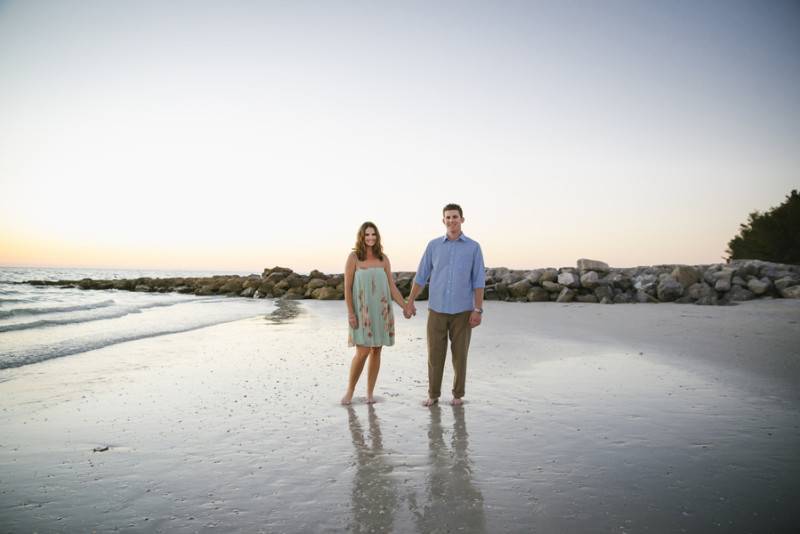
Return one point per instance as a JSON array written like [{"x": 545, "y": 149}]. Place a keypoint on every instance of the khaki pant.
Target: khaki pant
[{"x": 440, "y": 327}]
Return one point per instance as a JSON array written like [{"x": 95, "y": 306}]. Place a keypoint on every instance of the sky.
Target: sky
[{"x": 240, "y": 135}]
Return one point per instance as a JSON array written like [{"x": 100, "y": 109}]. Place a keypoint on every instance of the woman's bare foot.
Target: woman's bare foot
[
  {"x": 430, "y": 402},
  {"x": 457, "y": 402},
  {"x": 347, "y": 399},
  {"x": 370, "y": 399}
]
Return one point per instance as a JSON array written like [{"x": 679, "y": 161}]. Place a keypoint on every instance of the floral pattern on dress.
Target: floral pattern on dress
[{"x": 373, "y": 309}]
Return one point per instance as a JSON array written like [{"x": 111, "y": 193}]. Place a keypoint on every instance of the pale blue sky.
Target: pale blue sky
[{"x": 238, "y": 135}]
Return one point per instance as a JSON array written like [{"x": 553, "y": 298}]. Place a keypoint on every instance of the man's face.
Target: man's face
[{"x": 452, "y": 220}]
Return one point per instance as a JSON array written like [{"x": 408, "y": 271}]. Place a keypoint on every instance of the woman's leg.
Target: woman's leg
[
  {"x": 356, "y": 366},
  {"x": 372, "y": 372}
]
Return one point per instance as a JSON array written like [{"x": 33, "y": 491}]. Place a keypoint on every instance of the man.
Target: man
[{"x": 454, "y": 265}]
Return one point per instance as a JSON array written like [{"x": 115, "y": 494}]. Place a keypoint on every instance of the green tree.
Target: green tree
[{"x": 771, "y": 236}]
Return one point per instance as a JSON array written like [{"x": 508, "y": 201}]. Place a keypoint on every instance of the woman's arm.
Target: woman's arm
[
  {"x": 349, "y": 274},
  {"x": 396, "y": 295}
]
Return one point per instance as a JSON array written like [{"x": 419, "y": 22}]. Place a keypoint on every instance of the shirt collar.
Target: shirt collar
[{"x": 461, "y": 237}]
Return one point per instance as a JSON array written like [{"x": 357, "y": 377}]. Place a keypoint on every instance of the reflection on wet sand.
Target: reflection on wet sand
[
  {"x": 374, "y": 496},
  {"x": 452, "y": 502}
]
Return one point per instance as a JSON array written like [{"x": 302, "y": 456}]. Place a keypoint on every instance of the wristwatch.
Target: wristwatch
[{"x": 478, "y": 310}]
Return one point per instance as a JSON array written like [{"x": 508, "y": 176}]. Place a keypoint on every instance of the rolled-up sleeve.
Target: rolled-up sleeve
[{"x": 478, "y": 269}]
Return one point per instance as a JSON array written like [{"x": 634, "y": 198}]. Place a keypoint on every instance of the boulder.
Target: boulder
[
  {"x": 623, "y": 297},
  {"x": 669, "y": 289},
  {"x": 569, "y": 280},
  {"x": 645, "y": 297},
  {"x": 538, "y": 294},
  {"x": 566, "y": 295},
  {"x": 592, "y": 265},
  {"x": 792, "y": 292},
  {"x": 519, "y": 289},
  {"x": 276, "y": 269},
  {"x": 232, "y": 286},
  {"x": 722, "y": 279},
  {"x": 552, "y": 287},
  {"x": 759, "y": 286},
  {"x": 316, "y": 283},
  {"x": 294, "y": 293},
  {"x": 604, "y": 292},
  {"x": 142, "y": 288},
  {"x": 548, "y": 275},
  {"x": 317, "y": 274},
  {"x": 738, "y": 294},
  {"x": 645, "y": 282},
  {"x": 590, "y": 280},
  {"x": 534, "y": 276},
  {"x": 784, "y": 282},
  {"x": 248, "y": 292},
  {"x": 589, "y": 298},
  {"x": 685, "y": 275},
  {"x": 700, "y": 290},
  {"x": 326, "y": 293}
]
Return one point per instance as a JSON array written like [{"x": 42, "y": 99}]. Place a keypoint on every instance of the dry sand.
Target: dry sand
[{"x": 579, "y": 418}]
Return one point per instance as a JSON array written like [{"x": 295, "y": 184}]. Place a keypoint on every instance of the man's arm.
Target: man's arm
[{"x": 475, "y": 317}]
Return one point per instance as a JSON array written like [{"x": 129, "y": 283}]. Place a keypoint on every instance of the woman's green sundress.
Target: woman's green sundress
[{"x": 372, "y": 303}]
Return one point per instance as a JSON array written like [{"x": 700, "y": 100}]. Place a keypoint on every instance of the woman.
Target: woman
[{"x": 368, "y": 292}]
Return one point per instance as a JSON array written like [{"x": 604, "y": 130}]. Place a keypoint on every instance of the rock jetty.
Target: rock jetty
[{"x": 588, "y": 281}]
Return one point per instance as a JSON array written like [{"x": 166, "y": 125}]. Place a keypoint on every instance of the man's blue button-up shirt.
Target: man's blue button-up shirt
[{"x": 455, "y": 269}]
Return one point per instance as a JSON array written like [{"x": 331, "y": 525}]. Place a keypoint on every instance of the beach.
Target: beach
[{"x": 578, "y": 418}]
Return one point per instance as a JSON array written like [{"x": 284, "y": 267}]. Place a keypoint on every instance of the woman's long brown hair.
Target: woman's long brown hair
[{"x": 361, "y": 246}]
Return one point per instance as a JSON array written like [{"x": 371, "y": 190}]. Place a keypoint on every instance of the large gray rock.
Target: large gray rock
[
  {"x": 552, "y": 287},
  {"x": 645, "y": 282},
  {"x": 569, "y": 280},
  {"x": 538, "y": 294},
  {"x": 623, "y": 297},
  {"x": 722, "y": 279},
  {"x": 534, "y": 276},
  {"x": 604, "y": 292},
  {"x": 685, "y": 275},
  {"x": 592, "y": 265},
  {"x": 759, "y": 287},
  {"x": 590, "y": 280},
  {"x": 738, "y": 294},
  {"x": 315, "y": 283},
  {"x": 548, "y": 275},
  {"x": 700, "y": 290},
  {"x": 519, "y": 289},
  {"x": 669, "y": 289},
  {"x": 326, "y": 293},
  {"x": 566, "y": 295},
  {"x": 591, "y": 299},
  {"x": 248, "y": 292},
  {"x": 792, "y": 292},
  {"x": 784, "y": 282}
]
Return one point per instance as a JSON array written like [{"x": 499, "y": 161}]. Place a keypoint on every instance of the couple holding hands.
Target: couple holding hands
[{"x": 453, "y": 264}]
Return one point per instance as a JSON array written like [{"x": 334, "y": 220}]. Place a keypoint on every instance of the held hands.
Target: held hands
[{"x": 409, "y": 310}]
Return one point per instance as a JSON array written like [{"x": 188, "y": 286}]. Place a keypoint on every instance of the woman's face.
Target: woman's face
[{"x": 370, "y": 236}]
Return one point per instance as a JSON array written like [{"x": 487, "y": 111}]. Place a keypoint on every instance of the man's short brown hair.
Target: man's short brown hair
[{"x": 453, "y": 207}]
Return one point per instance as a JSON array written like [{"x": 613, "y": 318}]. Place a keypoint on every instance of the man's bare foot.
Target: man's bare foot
[
  {"x": 430, "y": 402},
  {"x": 370, "y": 399},
  {"x": 347, "y": 399},
  {"x": 457, "y": 402}
]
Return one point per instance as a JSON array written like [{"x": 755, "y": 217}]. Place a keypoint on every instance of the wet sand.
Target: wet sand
[{"x": 579, "y": 418}]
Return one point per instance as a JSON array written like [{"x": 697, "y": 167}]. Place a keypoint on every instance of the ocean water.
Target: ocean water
[{"x": 38, "y": 323}]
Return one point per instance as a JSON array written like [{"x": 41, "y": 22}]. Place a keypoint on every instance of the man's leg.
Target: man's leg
[
  {"x": 460, "y": 334},
  {"x": 437, "y": 353}
]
